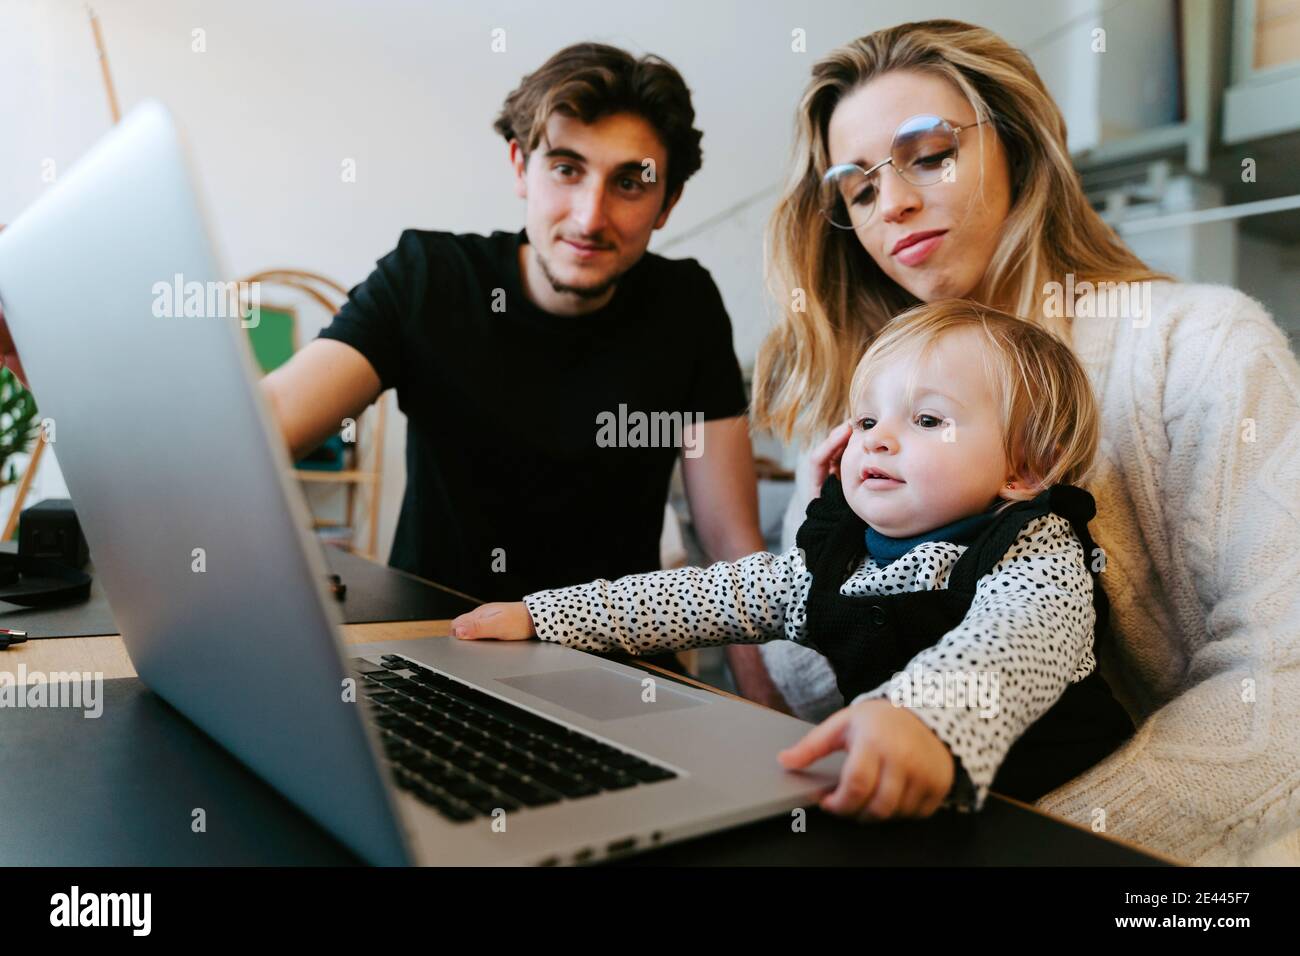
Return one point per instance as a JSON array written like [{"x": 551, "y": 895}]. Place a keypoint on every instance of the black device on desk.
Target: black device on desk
[{"x": 46, "y": 571}]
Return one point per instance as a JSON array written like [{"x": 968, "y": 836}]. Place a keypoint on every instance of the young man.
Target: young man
[
  {"x": 529, "y": 364},
  {"x": 523, "y": 359}
]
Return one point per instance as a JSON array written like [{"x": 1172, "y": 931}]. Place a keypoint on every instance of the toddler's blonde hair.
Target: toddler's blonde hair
[{"x": 1049, "y": 417}]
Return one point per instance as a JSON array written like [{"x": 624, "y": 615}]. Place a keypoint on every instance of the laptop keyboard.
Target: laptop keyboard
[{"x": 466, "y": 753}]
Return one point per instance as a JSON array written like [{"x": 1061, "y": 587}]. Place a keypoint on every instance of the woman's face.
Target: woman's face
[{"x": 965, "y": 209}]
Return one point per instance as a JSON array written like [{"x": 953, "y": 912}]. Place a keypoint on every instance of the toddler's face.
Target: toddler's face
[{"x": 942, "y": 450}]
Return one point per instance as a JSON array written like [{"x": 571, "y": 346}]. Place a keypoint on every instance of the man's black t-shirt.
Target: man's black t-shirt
[{"x": 510, "y": 484}]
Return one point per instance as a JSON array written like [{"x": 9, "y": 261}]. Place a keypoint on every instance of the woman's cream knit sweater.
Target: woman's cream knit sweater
[{"x": 1198, "y": 513}]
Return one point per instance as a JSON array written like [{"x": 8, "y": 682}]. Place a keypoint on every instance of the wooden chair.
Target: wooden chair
[{"x": 357, "y": 472}]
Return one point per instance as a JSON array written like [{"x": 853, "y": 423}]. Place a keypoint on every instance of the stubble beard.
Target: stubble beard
[{"x": 581, "y": 291}]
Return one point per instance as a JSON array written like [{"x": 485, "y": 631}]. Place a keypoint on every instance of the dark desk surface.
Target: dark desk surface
[
  {"x": 120, "y": 789},
  {"x": 1004, "y": 833},
  {"x": 375, "y": 592}
]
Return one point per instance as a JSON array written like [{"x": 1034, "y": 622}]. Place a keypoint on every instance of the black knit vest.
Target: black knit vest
[{"x": 869, "y": 639}]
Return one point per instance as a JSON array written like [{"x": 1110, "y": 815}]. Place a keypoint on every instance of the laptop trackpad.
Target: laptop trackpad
[{"x": 602, "y": 694}]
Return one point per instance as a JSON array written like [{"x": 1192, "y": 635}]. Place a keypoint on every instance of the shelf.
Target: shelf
[
  {"x": 1262, "y": 107},
  {"x": 347, "y": 475},
  {"x": 1146, "y": 145},
  {"x": 1203, "y": 33}
]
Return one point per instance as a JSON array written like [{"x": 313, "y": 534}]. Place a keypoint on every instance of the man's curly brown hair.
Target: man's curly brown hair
[{"x": 589, "y": 81}]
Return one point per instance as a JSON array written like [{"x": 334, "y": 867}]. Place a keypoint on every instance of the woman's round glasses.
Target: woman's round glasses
[{"x": 923, "y": 152}]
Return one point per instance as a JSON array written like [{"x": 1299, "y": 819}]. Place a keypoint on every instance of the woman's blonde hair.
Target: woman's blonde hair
[
  {"x": 834, "y": 298},
  {"x": 1047, "y": 411}
]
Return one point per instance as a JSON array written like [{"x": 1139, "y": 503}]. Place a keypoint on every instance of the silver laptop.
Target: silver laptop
[{"x": 429, "y": 751}]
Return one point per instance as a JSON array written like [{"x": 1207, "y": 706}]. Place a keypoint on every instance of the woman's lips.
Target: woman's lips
[{"x": 918, "y": 252}]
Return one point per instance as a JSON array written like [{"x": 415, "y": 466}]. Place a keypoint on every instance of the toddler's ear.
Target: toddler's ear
[{"x": 1016, "y": 489}]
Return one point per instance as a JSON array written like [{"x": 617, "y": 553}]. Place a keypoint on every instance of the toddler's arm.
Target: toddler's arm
[
  {"x": 1028, "y": 633},
  {"x": 736, "y": 602}
]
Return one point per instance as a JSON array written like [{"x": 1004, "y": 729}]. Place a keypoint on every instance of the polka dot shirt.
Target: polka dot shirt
[{"x": 1027, "y": 635}]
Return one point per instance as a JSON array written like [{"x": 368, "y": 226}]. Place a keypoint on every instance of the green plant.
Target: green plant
[{"x": 18, "y": 424}]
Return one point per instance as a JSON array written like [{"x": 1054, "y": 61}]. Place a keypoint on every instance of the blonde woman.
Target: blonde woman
[{"x": 932, "y": 162}]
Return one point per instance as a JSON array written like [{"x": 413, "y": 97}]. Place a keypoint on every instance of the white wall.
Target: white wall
[{"x": 288, "y": 89}]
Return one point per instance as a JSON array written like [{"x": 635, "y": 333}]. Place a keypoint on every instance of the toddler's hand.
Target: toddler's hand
[
  {"x": 504, "y": 621},
  {"x": 896, "y": 766}
]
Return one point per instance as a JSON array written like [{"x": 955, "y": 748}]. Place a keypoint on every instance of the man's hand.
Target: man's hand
[
  {"x": 896, "y": 766},
  {"x": 502, "y": 621},
  {"x": 752, "y": 679}
]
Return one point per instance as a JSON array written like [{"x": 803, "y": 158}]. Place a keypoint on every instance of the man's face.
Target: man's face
[{"x": 592, "y": 201}]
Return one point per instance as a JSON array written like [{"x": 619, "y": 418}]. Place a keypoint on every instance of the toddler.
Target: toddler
[{"x": 945, "y": 570}]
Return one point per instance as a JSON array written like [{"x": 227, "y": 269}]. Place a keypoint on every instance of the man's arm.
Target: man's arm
[
  {"x": 722, "y": 491},
  {"x": 323, "y": 383},
  {"x": 310, "y": 395}
]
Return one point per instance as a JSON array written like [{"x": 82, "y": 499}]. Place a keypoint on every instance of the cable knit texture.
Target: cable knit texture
[{"x": 1198, "y": 512}]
